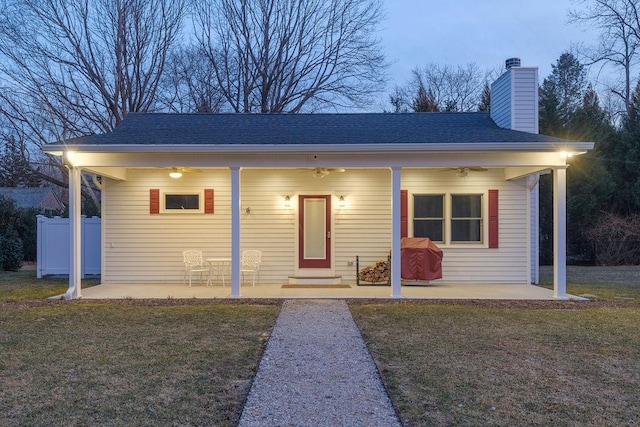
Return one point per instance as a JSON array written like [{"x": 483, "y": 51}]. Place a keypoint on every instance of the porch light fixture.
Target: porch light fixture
[
  {"x": 569, "y": 154},
  {"x": 287, "y": 201},
  {"x": 175, "y": 173},
  {"x": 341, "y": 202},
  {"x": 68, "y": 158}
]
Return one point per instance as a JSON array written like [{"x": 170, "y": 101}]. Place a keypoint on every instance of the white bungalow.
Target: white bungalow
[{"x": 313, "y": 191}]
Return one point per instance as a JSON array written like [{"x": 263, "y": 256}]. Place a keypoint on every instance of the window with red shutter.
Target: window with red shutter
[
  {"x": 154, "y": 201},
  {"x": 493, "y": 218},
  {"x": 208, "y": 200},
  {"x": 404, "y": 214}
]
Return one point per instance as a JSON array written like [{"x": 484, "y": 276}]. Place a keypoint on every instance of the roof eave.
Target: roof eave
[{"x": 265, "y": 148}]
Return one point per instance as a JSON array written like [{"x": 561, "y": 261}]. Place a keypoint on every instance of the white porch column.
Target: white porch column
[
  {"x": 75, "y": 239},
  {"x": 560, "y": 233},
  {"x": 396, "y": 272},
  {"x": 235, "y": 232}
]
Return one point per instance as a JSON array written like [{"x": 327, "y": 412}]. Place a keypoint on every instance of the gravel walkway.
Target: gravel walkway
[{"x": 316, "y": 371}]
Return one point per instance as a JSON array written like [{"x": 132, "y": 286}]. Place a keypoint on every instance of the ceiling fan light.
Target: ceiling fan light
[
  {"x": 462, "y": 172},
  {"x": 175, "y": 173},
  {"x": 319, "y": 173}
]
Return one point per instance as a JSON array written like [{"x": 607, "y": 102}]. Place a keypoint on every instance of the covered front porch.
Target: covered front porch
[
  {"x": 347, "y": 291},
  {"x": 260, "y": 183}
]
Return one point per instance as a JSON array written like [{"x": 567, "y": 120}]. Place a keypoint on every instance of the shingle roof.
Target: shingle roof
[
  {"x": 298, "y": 129},
  {"x": 36, "y": 198}
]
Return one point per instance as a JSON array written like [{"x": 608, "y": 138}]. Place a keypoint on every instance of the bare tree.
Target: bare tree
[
  {"x": 292, "y": 55},
  {"x": 86, "y": 63},
  {"x": 437, "y": 87},
  {"x": 619, "y": 39},
  {"x": 76, "y": 67},
  {"x": 189, "y": 84}
]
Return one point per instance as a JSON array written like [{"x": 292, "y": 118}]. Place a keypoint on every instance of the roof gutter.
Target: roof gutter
[{"x": 298, "y": 148}]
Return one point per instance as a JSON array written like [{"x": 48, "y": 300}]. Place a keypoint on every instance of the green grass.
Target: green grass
[
  {"x": 514, "y": 363},
  {"x": 190, "y": 362},
  {"x": 21, "y": 285},
  {"x": 617, "y": 284},
  {"x": 465, "y": 364},
  {"x": 129, "y": 362}
]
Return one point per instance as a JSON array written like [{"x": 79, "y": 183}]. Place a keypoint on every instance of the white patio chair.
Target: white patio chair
[
  {"x": 250, "y": 263},
  {"x": 193, "y": 263}
]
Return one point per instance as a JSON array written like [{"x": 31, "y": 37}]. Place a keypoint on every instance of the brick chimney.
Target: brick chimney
[{"x": 514, "y": 97}]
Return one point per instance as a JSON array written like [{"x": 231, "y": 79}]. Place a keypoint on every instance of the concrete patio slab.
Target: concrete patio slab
[{"x": 432, "y": 291}]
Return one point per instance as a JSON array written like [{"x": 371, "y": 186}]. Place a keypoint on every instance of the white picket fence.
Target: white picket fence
[{"x": 54, "y": 250}]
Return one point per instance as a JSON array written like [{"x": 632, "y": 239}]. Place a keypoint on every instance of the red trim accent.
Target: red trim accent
[
  {"x": 314, "y": 263},
  {"x": 493, "y": 218},
  {"x": 404, "y": 213},
  {"x": 154, "y": 201},
  {"x": 208, "y": 200}
]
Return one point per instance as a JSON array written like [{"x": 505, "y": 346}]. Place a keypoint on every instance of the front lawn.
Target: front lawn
[
  {"x": 21, "y": 285},
  {"x": 478, "y": 363},
  {"x": 130, "y": 362},
  {"x": 509, "y": 363},
  {"x": 618, "y": 284}
]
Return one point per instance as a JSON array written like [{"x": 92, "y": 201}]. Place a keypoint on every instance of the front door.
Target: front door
[{"x": 314, "y": 232}]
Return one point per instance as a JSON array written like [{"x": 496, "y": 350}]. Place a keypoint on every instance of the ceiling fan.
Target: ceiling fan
[
  {"x": 322, "y": 172},
  {"x": 176, "y": 172},
  {"x": 463, "y": 171}
]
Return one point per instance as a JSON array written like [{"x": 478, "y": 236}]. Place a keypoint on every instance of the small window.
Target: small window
[
  {"x": 428, "y": 216},
  {"x": 182, "y": 202},
  {"x": 466, "y": 218}
]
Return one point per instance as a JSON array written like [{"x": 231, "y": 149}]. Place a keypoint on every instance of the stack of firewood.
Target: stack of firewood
[{"x": 380, "y": 272}]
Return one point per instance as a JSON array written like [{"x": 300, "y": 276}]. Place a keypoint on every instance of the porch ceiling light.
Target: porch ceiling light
[
  {"x": 175, "y": 173},
  {"x": 68, "y": 158},
  {"x": 569, "y": 154},
  {"x": 566, "y": 154}
]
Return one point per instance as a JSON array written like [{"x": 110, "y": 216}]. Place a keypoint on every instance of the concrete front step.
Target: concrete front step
[{"x": 315, "y": 280}]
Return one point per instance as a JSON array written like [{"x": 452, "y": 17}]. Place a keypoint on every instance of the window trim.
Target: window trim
[
  {"x": 165, "y": 210},
  {"x": 443, "y": 219},
  {"x": 482, "y": 220},
  {"x": 448, "y": 212}
]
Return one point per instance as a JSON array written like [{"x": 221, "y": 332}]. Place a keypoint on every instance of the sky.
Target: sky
[{"x": 486, "y": 32}]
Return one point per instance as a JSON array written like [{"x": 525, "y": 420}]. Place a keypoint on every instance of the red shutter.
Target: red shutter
[
  {"x": 404, "y": 214},
  {"x": 208, "y": 200},
  {"x": 493, "y": 218},
  {"x": 154, "y": 201}
]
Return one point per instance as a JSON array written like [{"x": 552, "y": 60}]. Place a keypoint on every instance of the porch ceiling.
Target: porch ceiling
[{"x": 113, "y": 163}]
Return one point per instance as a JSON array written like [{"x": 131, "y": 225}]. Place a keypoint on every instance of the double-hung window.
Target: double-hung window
[
  {"x": 428, "y": 216},
  {"x": 466, "y": 218},
  {"x": 455, "y": 218}
]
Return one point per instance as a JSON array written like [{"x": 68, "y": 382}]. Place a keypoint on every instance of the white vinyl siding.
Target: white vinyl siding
[
  {"x": 514, "y": 99},
  {"x": 362, "y": 227},
  {"x": 501, "y": 100},
  {"x": 534, "y": 224},
  {"x": 139, "y": 247},
  {"x": 473, "y": 263},
  {"x": 525, "y": 99},
  {"x": 144, "y": 248}
]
